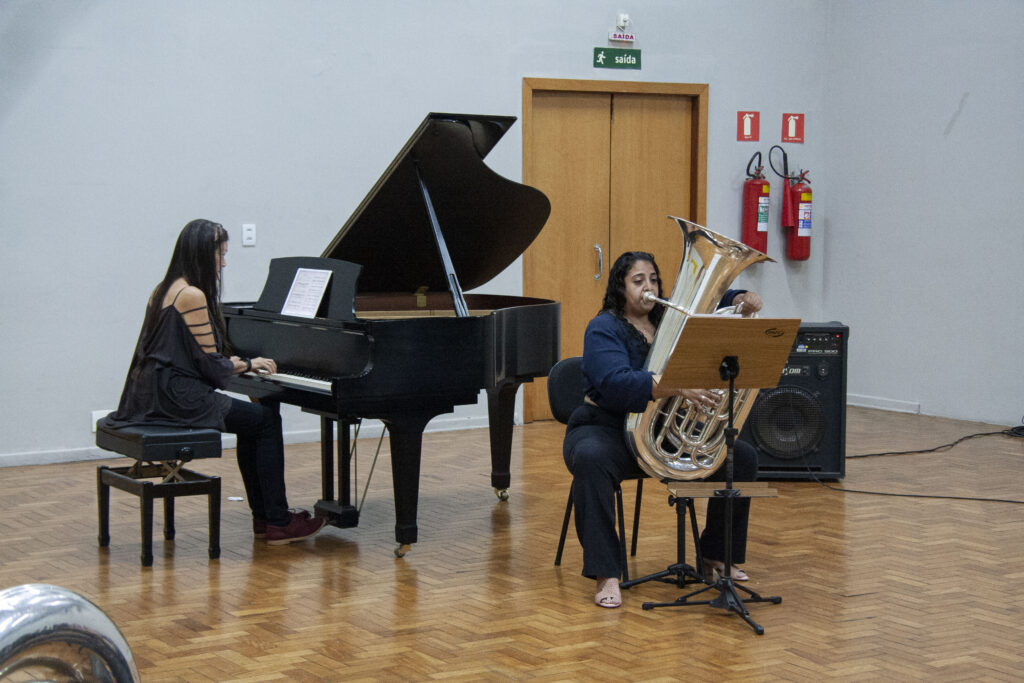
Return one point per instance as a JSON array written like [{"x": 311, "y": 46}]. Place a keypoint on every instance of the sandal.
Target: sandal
[
  {"x": 608, "y": 594},
  {"x": 714, "y": 569}
]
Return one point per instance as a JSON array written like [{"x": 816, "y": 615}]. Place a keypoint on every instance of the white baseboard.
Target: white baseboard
[
  {"x": 883, "y": 403},
  {"x": 368, "y": 429},
  {"x": 53, "y": 457}
]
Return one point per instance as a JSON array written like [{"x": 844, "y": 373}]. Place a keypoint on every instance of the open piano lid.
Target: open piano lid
[{"x": 486, "y": 221}]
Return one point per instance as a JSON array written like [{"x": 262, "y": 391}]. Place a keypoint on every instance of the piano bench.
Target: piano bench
[{"x": 160, "y": 453}]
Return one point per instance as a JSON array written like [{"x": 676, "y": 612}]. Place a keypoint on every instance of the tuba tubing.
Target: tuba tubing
[{"x": 673, "y": 439}]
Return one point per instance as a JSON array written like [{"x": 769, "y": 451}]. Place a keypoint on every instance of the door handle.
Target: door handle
[{"x": 600, "y": 261}]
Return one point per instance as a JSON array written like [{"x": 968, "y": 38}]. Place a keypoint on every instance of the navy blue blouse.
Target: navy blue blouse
[{"x": 613, "y": 359}]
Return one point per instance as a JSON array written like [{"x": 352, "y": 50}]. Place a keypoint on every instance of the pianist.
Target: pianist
[{"x": 179, "y": 364}]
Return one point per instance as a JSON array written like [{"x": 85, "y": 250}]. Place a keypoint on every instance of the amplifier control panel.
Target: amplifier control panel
[{"x": 829, "y": 341}]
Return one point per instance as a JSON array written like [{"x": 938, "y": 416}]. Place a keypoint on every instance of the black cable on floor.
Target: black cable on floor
[
  {"x": 1015, "y": 431},
  {"x": 937, "y": 449}
]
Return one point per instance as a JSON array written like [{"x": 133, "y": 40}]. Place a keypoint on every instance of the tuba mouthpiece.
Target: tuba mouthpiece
[{"x": 650, "y": 296}]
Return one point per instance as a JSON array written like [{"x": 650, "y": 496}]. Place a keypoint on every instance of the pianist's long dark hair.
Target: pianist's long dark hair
[
  {"x": 615, "y": 293},
  {"x": 196, "y": 258}
]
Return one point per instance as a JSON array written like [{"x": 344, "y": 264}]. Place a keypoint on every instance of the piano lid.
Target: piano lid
[{"x": 486, "y": 220}]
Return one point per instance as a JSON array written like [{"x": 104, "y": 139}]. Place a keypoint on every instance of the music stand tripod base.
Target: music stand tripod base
[{"x": 728, "y": 598}]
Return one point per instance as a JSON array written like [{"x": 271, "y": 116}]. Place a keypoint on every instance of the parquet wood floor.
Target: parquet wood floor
[{"x": 873, "y": 587}]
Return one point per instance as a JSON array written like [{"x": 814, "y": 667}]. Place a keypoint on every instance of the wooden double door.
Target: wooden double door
[{"x": 614, "y": 158}]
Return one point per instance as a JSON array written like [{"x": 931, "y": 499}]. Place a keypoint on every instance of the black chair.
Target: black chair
[
  {"x": 565, "y": 394},
  {"x": 160, "y": 453}
]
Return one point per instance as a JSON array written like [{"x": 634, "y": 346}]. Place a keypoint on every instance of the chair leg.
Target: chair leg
[
  {"x": 147, "y": 524},
  {"x": 103, "y": 496},
  {"x": 636, "y": 515},
  {"x": 565, "y": 529},
  {"x": 169, "y": 518},
  {"x": 214, "y": 503},
  {"x": 622, "y": 527},
  {"x": 622, "y": 534}
]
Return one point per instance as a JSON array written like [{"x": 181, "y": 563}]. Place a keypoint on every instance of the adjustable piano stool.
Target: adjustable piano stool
[{"x": 160, "y": 453}]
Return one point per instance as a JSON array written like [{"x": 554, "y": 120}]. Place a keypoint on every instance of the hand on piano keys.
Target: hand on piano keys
[
  {"x": 306, "y": 382},
  {"x": 256, "y": 364}
]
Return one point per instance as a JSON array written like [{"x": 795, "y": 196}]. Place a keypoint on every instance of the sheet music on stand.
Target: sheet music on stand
[{"x": 306, "y": 293}]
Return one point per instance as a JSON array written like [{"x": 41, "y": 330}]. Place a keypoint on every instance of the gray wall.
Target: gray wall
[
  {"x": 925, "y": 242},
  {"x": 120, "y": 120}
]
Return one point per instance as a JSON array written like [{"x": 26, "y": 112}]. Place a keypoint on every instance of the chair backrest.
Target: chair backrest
[{"x": 565, "y": 387}]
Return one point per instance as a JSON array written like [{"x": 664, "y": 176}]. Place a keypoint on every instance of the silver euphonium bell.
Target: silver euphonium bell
[{"x": 673, "y": 438}]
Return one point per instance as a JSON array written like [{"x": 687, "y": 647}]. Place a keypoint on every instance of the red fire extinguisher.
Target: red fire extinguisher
[
  {"x": 796, "y": 210},
  {"x": 756, "y": 191},
  {"x": 798, "y": 245}
]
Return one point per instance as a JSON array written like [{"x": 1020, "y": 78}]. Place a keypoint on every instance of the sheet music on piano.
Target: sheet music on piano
[{"x": 306, "y": 293}]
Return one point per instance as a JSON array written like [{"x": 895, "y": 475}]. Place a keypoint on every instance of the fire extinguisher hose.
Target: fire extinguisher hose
[
  {"x": 759, "y": 171},
  {"x": 785, "y": 163},
  {"x": 801, "y": 178}
]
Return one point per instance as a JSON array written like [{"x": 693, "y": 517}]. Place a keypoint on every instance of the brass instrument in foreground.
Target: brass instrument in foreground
[
  {"x": 49, "y": 633},
  {"x": 674, "y": 439}
]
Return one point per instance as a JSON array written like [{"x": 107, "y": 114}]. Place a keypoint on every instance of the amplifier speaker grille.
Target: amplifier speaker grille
[{"x": 788, "y": 422}]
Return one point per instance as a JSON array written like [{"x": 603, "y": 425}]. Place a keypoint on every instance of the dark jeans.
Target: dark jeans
[
  {"x": 260, "y": 457},
  {"x": 596, "y": 454}
]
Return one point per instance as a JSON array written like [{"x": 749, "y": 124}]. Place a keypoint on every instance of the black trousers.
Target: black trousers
[
  {"x": 260, "y": 457},
  {"x": 596, "y": 454}
]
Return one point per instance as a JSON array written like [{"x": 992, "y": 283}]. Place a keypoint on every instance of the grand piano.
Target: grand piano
[{"x": 394, "y": 337}]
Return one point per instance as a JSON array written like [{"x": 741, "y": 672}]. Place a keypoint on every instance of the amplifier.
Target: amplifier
[{"x": 799, "y": 427}]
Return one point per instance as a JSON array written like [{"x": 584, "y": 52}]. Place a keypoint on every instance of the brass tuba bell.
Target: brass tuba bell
[{"x": 674, "y": 439}]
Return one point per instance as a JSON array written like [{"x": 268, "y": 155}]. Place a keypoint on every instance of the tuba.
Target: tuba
[
  {"x": 49, "y": 633},
  {"x": 674, "y": 439}
]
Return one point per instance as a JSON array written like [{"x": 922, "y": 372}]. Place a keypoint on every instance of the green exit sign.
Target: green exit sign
[{"x": 616, "y": 58}]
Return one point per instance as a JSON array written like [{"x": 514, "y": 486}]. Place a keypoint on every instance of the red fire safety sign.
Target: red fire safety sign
[
  {"x": 792, "y": 127},
  {"x": 748, "y": 126}
]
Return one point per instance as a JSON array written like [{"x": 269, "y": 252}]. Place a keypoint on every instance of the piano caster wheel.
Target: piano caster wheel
[
  {"x": 501, "y": 493},
  {"x": 402, "y": 549}
]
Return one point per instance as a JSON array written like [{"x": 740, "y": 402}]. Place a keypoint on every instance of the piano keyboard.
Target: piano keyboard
[{"x": 321, "y": 386}]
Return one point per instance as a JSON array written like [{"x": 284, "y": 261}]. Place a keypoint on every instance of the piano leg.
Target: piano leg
[
  {"x": 501, "y": 404},
  {"x": 406, "y": 437},
  {"x": 327, "y": 458},
  {"x": 340, "y": 511}
]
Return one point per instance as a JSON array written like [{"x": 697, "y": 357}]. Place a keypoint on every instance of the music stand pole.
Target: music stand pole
[{"x": 728, "y": 598}]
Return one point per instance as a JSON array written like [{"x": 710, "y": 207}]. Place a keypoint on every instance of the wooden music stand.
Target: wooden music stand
[
  {"x": 707, "y": 355},
  {"x": 763, "y": 344}
]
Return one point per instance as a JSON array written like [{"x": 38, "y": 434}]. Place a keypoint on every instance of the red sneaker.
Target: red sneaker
[
  {"x": 259, "y": 526},
  {"x": 301, "y": 526}
]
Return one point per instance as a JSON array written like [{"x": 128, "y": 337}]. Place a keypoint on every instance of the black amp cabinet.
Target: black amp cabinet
[{"x": 799, "y": 427}]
